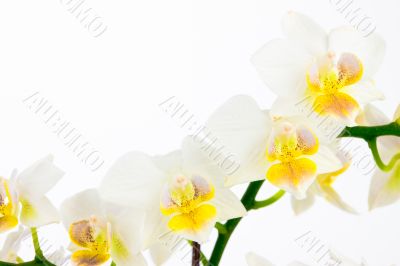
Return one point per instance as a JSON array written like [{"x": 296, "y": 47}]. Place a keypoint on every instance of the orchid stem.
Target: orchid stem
[
  {"x": 269, "y": 201},
  {"x": 40, "y": 259},
  {"x": 374, "y": 149},
  {"x": 203, "y": 257},
  {"x": 222, "y": 240},
  {"x": 221, "y": 228},
  {"x": 226, "y": 230},
  {"x": 370, "y": 135},
  {"x": 36, "y": 244},
  {"x": 196, "y": 250}
]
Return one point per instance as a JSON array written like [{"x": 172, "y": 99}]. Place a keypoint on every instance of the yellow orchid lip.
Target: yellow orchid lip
[
  {"x": 328, "y": 80},
  {"x": 288, "y": 150},
  {"x": 92, "y": 238},
  {"x": 8, "y": 217},
  {"x": 186, "y": 201}
]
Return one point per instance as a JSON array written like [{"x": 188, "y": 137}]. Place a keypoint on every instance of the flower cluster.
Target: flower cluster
[{"x": 186, "y": 194}]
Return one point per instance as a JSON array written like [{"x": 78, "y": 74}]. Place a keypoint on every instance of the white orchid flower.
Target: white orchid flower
[
  {"x": 179, "y": 193},
  {"x": 23, "y": 200},
  {"x": 323, "y": 187},
  {"x": 385, "y": 186},
  {"x": 12, "y": 244},
  {"x": 332, "y": 72},
  {"x": 289, "y": 151},
  {"x": 100, "y": 231}
]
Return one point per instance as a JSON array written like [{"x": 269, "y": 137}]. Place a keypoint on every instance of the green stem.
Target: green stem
[
  {"x": 36, "y": 244},
  {"x": 269, "y": 201},
  {"x": 203, "y": 259},
  {"x": 368, "y": 133},
  {"x": 40, "y": 259},
  {"x": 374, "y": 149},
  {"x": 225, "y": 230},
  {"x": 221, "y": 228}
]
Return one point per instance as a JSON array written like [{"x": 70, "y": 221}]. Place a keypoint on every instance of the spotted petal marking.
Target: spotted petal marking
[
  {"x": 87, "y": 234},
  {"x": 327, "y": 81},
  {"x": 185, "y": 200},
  {"x": 287, "y": 151}
]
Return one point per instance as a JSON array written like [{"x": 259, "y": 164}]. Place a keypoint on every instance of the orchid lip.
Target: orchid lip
[
  {"x": 186, "y": 202},
  {"x": 328, "y": 80}
]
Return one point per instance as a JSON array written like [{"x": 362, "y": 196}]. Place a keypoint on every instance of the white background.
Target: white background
[{"x": 109, "y": 88}]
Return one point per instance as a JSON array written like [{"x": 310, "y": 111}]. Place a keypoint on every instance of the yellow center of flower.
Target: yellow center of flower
[
  {"x": 8, "y": 218},
  {"x": 288, "y": 150},
  {"x": 185, "y": 200},
  {"x": 92, "y": 238},
  {"x": 328, "y": 82}
]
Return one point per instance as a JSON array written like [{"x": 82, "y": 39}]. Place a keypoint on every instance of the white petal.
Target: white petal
[
  {"x": 388, "y": 145},
  {"x": 155, "y": 227},
  {"x": 370, "y": 50},
  {"x": 58, "y": 257},
  {"x": 137, "y": 180},
  {"x": 303, "y": 31},
  {"x": 12, "y": 244},
  {"x": 397, "y": 113},
  {"x": 381, "y": 193},
  {"x": 196, "y": 161},
  {"x": 243, "y": 129},
  {"x": 127, "y": 226},
  {"x": 168, "y": 244},
  {"x": 81, "y": 206},
  {"x": 134, "y": 180},
  {"x": 291, "y": 106},
  {"x": 227, "y": 204},
  {"x": 334, "y": 198},
  {"x": 38, "y": 211},
  {"x": 170, "y": 164},
  {"x": 283, "y": 67},
  {"x": 160, "y": 253},
  {"x": 253, "y": 259},
  {"x": 133, "y": 260},
  {"x": 372, "y": 116},
  {"x": 364, "y": 92},
  {"x": 39, "y": 178},
  {"x": 301, "y": 205},
  {"x": 326, "y": 160}
]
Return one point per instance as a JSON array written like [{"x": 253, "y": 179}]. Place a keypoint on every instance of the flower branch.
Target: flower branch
[
  {"x": 203, "y": 258},
  {"x": 196, "y": 254},
  {"x": 40, "y": 259},
  {"x": 370, "y": 135},
  {"x": 225, "y": 230},
  {"x": 269, "y": 201},
  {"x": 370, "y": 132}
]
